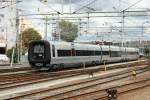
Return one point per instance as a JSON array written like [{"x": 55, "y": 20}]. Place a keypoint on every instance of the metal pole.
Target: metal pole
[
  {"x": 6, "y": 41},
  {"x": 59, "y": 30},
  {"x": 110, "y": 34},
  {"x": 142, "y": 35},
  {"x": 88, "y": 23},
  {"x": 62, "y": 9},
  {"x": 70, "y": 6},
  {"x": 12, "y": 58},
  {"x": 17, "y": 34},
  {"x": 21, "y": 40},
  {"x": 123, "y": 28},
  {"x": 105, "y": 66},
  {"x": 141, "y": 40},
  {"x": 83, "y": 64},
  {"x": 45, "y": 37},
  {"x": 119, "y": 6},
  {"x": 79, "y": 27}
]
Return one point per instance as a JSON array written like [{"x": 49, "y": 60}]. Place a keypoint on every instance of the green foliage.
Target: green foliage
[
  {"x": 9, "y": 54},
  {"x": 146, "y": 51},
  {"x": 68, "y": 31},
  {"x": 29, "y": 35}
]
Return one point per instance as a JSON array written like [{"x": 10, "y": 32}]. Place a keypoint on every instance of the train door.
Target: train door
[
  {"x": 72, "y": 51},
  {"x": 53, "y": 51},
  {"x": 120, "y": 53}
]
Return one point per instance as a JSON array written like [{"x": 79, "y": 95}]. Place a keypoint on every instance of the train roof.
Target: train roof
[{"x": 79, "y": 46}]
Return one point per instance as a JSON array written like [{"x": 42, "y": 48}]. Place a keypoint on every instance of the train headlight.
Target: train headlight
[{"x": 39, "y": 64}]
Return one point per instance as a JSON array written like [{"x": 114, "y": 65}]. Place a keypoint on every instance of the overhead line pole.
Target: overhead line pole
[
  {"x": 70, "y": 6},
  {"x": 123, "y": 17},
  {"x": 62, "y": 9},
  {"x": 88, "y": 20},
  {"x": 46, "y": 20},
  {"x": 123, "y": 34}
]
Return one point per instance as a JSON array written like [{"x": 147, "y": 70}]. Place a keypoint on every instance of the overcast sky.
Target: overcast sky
[{"x": 53, "y": 6}]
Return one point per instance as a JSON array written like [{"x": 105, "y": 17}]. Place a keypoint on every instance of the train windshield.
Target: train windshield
[{"x": 38, "y": 48}]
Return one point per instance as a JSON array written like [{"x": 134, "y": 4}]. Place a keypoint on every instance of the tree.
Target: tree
[
  {"x": 9, "y": 52},
  {"x": 15, "y": 56},
  {"x": 68, "y": 31},
  {"x": 146, "y": 51},
  {"x": 29, "y": 35}
]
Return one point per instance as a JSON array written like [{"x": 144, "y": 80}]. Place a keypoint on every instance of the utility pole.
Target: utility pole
[
  {"x": 79, "y": 27},
  {"x": 17, "y": 34},
  {"x": 70, "y": 6},
  {"x": 21, "y": 42},
  {"x": 88, "y": 22},
  {"x": 62, "y": 6},
  {"x": 142, "y": 36},
  {"x": 46, "y": 20},
  {"x": 6, "y": 39},
  {"x": 58, "y": 26},
  {"x": 59, "y": 31},
  {"x": 123, "y": 34}
]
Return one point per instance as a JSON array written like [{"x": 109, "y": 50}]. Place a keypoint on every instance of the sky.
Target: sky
[{"x": 108, "y": 28}]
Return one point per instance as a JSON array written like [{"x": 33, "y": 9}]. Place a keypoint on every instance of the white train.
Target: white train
[
  {"x": 44, "y": 54},
  {"x": 4, "y": 60}
]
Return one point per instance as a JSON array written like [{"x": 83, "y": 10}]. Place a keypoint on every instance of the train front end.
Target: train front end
[{"x": 39, "y": 54}]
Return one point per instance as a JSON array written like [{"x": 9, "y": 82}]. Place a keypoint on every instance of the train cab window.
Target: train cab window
[
  {"x": 38, "y": 49},
  {"x": 53, "y": 50}
]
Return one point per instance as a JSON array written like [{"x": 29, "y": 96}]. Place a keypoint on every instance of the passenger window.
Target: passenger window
[{"x": 63, "y": 53}]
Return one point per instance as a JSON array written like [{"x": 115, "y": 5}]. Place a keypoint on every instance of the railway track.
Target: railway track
[
  {"x": 110, "y": 66},
  {"x": 81, "y": 89},
  {"x": 30, "y": 78},
  {"x": 8, "y": 80},
  {"x": 66, "y": 91},
  {"x": 14, "y": 80},
  {"x": 15, "y": 69},
  {"x": 100, "y": 93}
]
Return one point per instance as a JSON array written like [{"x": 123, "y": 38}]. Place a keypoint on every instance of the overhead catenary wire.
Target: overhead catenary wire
[
  {"x": 10, "y": 4},
  {"x": 85, "y": 6}
]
